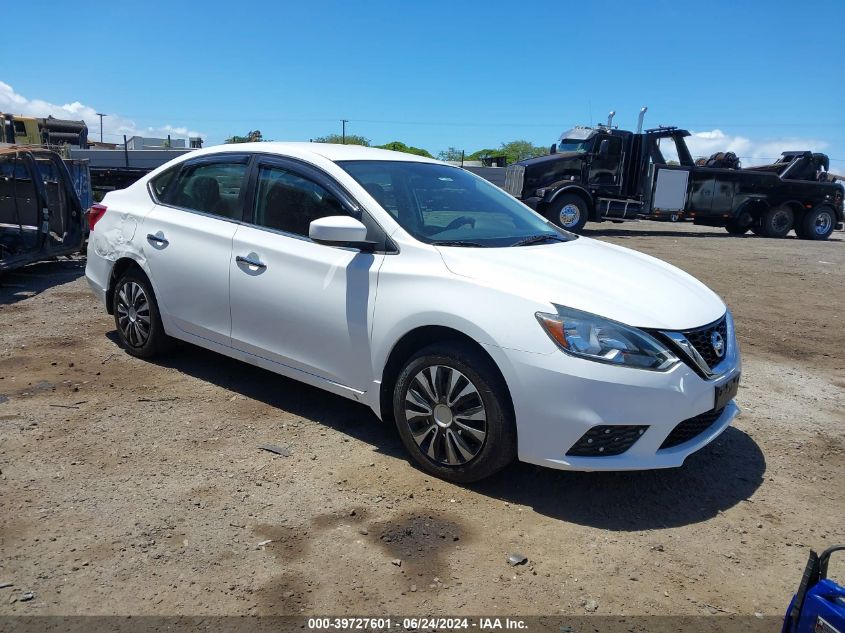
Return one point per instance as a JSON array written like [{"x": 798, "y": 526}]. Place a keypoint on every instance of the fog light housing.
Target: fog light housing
[{"x": 605, "y": 440}]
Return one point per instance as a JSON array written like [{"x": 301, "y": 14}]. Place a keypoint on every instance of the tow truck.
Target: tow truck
[{"x": 603, "y": 173}]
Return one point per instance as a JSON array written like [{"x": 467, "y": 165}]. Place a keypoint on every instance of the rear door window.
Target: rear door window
[{"x": 211, "y": 187}]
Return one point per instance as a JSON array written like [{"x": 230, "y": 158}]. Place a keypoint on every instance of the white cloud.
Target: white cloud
[
  {"x": 750, "y": 151},
  {"x": 114, "y": 125}
]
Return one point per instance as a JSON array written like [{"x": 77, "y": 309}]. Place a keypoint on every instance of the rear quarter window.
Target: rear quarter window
[{"x": 159, "y": 184}]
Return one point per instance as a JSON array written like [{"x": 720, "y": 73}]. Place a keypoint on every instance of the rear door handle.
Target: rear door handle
[
  {"x": 158, "y": 239},
  {"x": 249, "y": 261}
]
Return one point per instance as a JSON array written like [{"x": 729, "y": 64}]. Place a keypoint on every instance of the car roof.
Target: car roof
[{"x": 328, "y": 151}]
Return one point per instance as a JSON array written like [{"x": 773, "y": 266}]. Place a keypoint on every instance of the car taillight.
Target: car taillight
[{"x": 94, "y": 214}]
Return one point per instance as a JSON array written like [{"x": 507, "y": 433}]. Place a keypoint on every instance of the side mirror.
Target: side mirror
[
  {"x": 604, "y": 148},
  {"x": 340, "y": 230},
  {"x": 553, "y": 149}
]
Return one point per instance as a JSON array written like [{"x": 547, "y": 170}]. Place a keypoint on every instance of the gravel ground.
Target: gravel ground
[{"x": 135, "y": 487}]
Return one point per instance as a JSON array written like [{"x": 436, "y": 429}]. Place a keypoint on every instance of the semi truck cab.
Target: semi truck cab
[{"x": 606, "y": 173}]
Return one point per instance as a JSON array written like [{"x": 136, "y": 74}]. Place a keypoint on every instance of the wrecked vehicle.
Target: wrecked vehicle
[
  {"x": 41, "y": 215},
  {"x": 604, "y": 173}
]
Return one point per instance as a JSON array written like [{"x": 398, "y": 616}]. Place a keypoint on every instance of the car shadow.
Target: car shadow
[
  {"x": 721, "y": 475},
  {"x": 33, "y": 279},
  {"x": 341, "y": 414}
]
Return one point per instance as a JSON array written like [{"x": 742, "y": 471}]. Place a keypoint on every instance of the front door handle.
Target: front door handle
[
  {"x": 158, "y": 239},
  {"x": 249, "y": 261}
]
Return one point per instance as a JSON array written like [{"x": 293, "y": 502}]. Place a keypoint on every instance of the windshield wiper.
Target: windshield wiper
[
  {"x": 458, "y": 243},
  {"x": 536, "y": 239}
]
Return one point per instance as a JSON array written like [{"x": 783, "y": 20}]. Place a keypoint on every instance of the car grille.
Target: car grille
[
  {"x": 691, "y": 428},
  {"x": 702, "y": 340},
  {"x": 604, "y": 440},
  {"x": 515, "y": 180}
]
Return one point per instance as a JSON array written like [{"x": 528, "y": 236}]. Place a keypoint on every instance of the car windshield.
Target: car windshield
[
  {"x": 570, "y": 145},
  {"x": 441, "y": 204}
]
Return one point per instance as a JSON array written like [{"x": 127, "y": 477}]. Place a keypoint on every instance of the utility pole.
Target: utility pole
[
  {"x": 343, "y": 123},
  {"x": 101, "y": 115}
]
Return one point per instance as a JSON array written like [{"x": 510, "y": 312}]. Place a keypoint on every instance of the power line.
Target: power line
[{"x": 476, "y": 123}]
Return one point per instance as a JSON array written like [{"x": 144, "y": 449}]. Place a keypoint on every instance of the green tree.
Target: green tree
[
  {"x": 452, "y": 154},
  {"x": 253, "y": 136},
  {"x": 520, "y": 150},
  {"x": 399, "y": 146},
  {"x": 351, "y": 139},
  {"x": 484, "y": 153}
]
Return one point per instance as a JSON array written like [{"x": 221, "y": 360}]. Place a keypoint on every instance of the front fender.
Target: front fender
[{"x": 567, "y": 187}]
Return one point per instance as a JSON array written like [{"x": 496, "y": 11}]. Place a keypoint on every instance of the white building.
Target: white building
[{"x": 145, "y": 142}]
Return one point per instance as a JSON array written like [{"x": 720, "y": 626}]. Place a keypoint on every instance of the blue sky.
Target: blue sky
[{"x": 756, "y": 77}]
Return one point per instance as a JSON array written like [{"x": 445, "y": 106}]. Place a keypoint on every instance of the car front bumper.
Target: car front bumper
[{"x": 558, "y": 398}]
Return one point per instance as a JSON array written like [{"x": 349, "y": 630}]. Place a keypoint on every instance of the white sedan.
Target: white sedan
[{"x": 481, "y": 330}]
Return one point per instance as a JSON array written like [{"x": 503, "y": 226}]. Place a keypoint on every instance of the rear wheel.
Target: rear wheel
[
  {"x": 569, "y": 212},
  {"x": 136, "y": 316},
  {"x": 734, "y": 228},
  {"x": 816, "y": 224},
  {"x": 453, "y": 413},
  {"x": 777, "y": 222}
]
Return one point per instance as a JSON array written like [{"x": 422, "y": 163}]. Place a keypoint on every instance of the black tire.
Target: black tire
[
  {"x": 735, "y": 228},
  {"x": 777, "y": 222},
  {"x": 449, "y": 446},
  {"x": 757, "y": 230},
  {"x": 569, "y": 212},
  {"x": 816, "y": 224},
  {"x": 136, "y": 316}
]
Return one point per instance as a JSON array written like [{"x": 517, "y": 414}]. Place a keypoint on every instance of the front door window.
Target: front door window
[{"x": 606, "y": 161}]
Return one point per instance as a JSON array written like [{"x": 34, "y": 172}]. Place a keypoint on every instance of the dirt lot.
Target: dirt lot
[{"x": 135, "y": 487}]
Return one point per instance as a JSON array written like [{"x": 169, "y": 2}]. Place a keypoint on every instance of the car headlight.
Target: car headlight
[{"x": 592, "y": 337}]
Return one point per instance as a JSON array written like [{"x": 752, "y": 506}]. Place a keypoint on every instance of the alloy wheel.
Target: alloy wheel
[
  {"x": 133, "y": 313},
  {"x": 446, "y": 415}
]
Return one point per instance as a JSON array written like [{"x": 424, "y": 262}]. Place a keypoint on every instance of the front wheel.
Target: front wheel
[
  {"x": 568, "y": 212},
  {"x": 136, "y": 316},
  {"x": 453, "y": 413}
]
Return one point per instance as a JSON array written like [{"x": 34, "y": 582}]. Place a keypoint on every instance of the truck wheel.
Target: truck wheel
[
  {"x": 569, "y": 212},
  {"x": 778, "y": 222},
  {"x": 817, "y": 224},
  {"x": 735, "y": 228}
]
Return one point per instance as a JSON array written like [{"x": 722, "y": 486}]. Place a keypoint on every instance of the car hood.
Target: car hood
[{"x": 585, "y": 274}]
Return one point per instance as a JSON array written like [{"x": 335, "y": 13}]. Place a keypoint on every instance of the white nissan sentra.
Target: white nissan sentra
[{"x": 428, "y": 294}]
